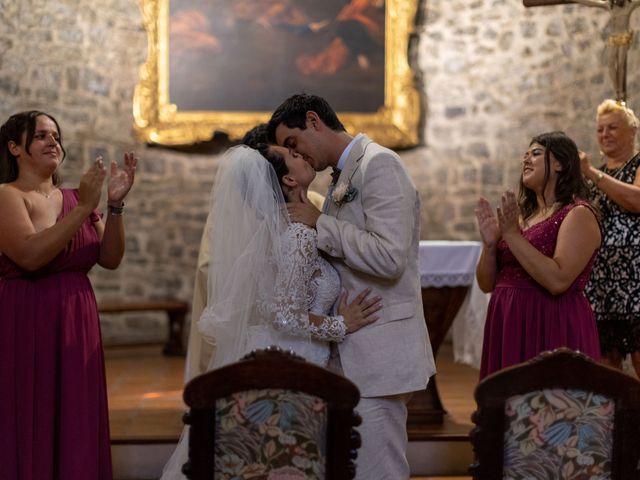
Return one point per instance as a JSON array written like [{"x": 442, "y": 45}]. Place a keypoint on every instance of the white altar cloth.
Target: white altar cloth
[{"x": 453, "y": 264}]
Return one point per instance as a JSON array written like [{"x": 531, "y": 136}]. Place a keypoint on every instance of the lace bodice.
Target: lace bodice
[{"x": 306, "y": 283}]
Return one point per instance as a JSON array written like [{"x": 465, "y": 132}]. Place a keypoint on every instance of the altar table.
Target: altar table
[{"x": 450, "y": 295}]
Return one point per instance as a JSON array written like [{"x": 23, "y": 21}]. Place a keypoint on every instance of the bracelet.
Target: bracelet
[
  {"x": 599, "y": 178},
  {"x": 116, "y": 211}
]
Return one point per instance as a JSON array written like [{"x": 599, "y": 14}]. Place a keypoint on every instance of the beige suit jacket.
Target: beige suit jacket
[{"x": 373, "y": 242}]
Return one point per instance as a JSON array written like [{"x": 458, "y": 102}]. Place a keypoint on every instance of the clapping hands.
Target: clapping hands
[
  {"x": 120, "y": 182},
  {"x": 90, "y": 187},
  {"x": 487, "y": 223},
  {"x": 509, "y": 213},
  {"x": 121, "y": 179},
  {"x": 494, "y": 226},
  {"x": 585, "y": 163}
]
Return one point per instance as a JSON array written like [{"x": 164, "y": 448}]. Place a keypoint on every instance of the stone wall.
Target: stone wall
[{"x": 493, "y": 74}]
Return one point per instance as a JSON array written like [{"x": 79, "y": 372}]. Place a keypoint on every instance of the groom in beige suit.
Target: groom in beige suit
[{"x": 369, "y": 230}]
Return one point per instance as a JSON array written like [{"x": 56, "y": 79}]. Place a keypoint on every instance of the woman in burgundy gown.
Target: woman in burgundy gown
[
  {"x": 537, "y": 255},
  {"x": 53, "y": 402}
]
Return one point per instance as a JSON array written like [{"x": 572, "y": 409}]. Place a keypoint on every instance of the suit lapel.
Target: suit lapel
[{"x": 351, "y": 166}]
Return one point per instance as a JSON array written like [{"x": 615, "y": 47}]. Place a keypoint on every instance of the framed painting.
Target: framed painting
[{"x": 225, "y": 65}]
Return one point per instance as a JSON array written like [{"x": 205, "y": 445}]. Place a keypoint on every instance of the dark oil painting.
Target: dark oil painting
[{"x": 249, "y": 55}]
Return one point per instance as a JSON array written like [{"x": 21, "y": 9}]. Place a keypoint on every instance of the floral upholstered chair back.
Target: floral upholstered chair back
[
  {"x": 271, "y": 416},
  {"x": 558, "y": 416},
  {"x": 558, "y": 433},
  {"x": 270, "y": 434}
]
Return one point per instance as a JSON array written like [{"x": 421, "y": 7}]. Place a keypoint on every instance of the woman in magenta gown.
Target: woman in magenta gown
[
  {"x": 538, "y": 251},
  {"x": 53, "y": 401}
]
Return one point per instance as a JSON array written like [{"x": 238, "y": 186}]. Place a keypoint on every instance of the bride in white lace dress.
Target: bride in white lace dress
[{"x": 267, "y": 284}]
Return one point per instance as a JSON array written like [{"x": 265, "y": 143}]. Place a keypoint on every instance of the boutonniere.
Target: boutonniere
[{"x": 344, "y": 193}]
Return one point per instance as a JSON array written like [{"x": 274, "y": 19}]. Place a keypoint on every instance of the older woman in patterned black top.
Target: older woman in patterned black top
[{"x": 614, "y": 287}]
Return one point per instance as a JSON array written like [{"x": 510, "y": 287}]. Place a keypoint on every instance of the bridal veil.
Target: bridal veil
[{"x": 247, "y": 220}]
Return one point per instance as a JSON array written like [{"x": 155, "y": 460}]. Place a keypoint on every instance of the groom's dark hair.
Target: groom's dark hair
[{"x": 293, "y": 111}]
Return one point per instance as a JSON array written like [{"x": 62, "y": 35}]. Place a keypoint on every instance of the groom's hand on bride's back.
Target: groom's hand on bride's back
[{"x": 361, "y": 311}]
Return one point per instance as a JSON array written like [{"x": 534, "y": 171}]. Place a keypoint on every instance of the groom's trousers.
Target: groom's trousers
[{"x": 383, "y": 454}]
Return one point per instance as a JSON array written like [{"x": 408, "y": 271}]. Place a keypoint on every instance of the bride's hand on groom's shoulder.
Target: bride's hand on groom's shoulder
[{"x": 361, "y": 311}]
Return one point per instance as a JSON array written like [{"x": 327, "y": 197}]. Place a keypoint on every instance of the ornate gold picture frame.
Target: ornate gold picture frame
[{"x": 171, "y": 105}]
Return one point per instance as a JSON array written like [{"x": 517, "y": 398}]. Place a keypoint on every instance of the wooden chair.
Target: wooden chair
[
  {"x": 558, "y": 416},
  {"x": 271, "y": 413}
]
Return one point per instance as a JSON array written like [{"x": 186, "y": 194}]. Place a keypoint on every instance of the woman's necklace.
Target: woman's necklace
[
  {"x": 617, "y": 171},
  {"x": 45, "y": 194},
  {"x": 542, "y": 214}
]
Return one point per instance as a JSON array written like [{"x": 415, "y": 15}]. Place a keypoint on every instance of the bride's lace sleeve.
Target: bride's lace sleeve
[{"x": 292, "y": 292}]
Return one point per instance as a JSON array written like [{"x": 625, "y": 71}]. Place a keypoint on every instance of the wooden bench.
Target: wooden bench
[{"x": 176, "y": 311}]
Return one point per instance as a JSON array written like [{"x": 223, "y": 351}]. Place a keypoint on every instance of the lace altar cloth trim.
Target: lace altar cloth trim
[{"x": 448, "y": 263}]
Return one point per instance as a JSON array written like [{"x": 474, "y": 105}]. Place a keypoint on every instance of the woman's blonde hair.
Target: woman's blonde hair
[{"x": 611, "y": 106}]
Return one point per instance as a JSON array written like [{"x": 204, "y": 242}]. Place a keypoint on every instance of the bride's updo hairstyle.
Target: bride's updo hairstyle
[{"x": 277, "y": 162}]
